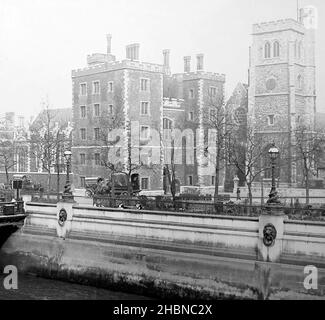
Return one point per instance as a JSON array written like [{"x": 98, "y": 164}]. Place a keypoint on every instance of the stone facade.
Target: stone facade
[
  {"x": 176, "y": 101},
  {"x": 282, "y": 83}
]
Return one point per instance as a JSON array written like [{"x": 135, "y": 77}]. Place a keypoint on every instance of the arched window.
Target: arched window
[
  {"x": 276, "y": 49},
  {"x": 167, "y": 128},
  {"x": 267, "y": 50}
]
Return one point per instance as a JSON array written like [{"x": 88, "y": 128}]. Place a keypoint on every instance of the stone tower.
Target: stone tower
[{"x": 282, "y": 82}]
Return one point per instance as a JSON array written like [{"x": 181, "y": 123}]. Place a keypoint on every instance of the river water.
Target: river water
[{"x": 34, "y": 288}]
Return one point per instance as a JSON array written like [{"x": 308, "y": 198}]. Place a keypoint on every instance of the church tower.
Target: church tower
[{"x": 282, "y": 90}]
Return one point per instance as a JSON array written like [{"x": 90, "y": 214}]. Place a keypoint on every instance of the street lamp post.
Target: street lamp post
[
  {"x": 273, "y": 196},
  {"x": 67, "y": 193}
]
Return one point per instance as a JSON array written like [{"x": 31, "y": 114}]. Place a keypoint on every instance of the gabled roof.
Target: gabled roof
[{"x": 62, "y": 116}]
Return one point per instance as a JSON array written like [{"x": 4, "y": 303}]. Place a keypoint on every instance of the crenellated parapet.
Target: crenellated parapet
[
  {"x": 278, "y": 25},
  {"x": 118, "y": 65},
  {"x": 201, "y": 75}
]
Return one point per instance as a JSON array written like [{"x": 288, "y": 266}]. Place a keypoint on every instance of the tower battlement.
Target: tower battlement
[
  {"x": 278, "y": 25},
  {"x": 117, "y": 65}
]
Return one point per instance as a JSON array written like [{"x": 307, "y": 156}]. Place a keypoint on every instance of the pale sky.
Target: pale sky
[{"x": 41, "y": 41}]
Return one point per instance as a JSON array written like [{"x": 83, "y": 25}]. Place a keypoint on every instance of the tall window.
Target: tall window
[
  {"x": 144, "y": 108},
  {"x": 190, "y": 180},
  {"x": 144, "y": 84},
  {"x": 96, "y": 87},
  {"x": 144, "y": 183},
  {"x": 83, "y": 134},
  {"x": 191, "y": 94},
  {"x": 97, "y": 159},
  {"x": 191, "y": 116},
  {"x": 144, "y": 132},
  {"x": 276, "y": 49},
  {"x": 83, "y": 89},
  {"x": 110, "y": 109},
  {"x": 270, "y": 120},
  {"x": 110, "y": 86},
  {"x": 213, "y": 92},
  {"x": 83, "y": 112},
  {"x": 167, "y": 126},
  {"x": 267, "y": 50},
  {"x": 82, "y": 158},
  {"x": 96, "y": 133},
  {"x": 97, "y": 110}
]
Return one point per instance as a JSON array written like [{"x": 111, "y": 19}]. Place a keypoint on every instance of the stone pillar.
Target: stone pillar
[
  {"x": 271, "y": 230},
  {"x": 236, "y": 183},
  {"x": 64, "y": 216}
]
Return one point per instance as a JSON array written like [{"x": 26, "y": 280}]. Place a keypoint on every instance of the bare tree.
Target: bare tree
[
  {"x": 47, "y": 143},
  {"x": 170, "y": 170},
  {"x": 247, "y": 156},
  {"x": 309, "y": 146},
  {"x": 7, "y": 156},
  {"x": 218, "y": 119}
]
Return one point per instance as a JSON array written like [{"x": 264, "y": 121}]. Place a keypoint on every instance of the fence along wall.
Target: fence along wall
[{"x": 180, "y": 252}]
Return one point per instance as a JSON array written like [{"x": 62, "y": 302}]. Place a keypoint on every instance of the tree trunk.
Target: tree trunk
[
  {"x": 217, "y": 171},
  {"x": 48, "y": 184},
  {"x": 250, "y": 195},
  {"x": 7, "y": 174},
  {"x": 307, "y": 189}
]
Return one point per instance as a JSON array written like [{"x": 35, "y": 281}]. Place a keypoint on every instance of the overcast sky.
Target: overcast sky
[{"x": 41, "y": 41}]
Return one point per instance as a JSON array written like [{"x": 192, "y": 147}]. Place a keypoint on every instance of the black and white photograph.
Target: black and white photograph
[{"x": 162, "y": 150}]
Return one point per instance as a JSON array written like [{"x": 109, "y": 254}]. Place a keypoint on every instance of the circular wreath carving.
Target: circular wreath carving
[
  {"x": 269, "y": 235},
  {"x": 62, "y": 217}
]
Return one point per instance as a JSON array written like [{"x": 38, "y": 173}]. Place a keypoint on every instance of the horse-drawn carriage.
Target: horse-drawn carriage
[{"x": 113, "y": 192}]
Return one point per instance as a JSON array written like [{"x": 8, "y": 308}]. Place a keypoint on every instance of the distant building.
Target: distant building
[
  {"x": 23, "y": 160},
  {"x": 237, "y": 105}
]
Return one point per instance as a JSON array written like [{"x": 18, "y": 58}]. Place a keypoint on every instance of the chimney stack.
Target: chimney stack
[
  {"x": 187, "y": 64},
  {"x": 166, "y": 54},
  {"x": 109, "y": 44},
  {"x": 199, "y": 66},
  {"x": 132, "y": 51}
]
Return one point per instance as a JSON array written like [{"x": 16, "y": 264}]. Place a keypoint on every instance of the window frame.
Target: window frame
[
  {"x": 144, "y": 138},
  {"x": 97, "y": 159},
  {"x": 82, "y": 159},
  {"x": 83, "y": 137},
  {"x": 96, "y": 137},
  {"x": 147, "y": 84},
  {"x": 267, "y": 50},
  {"x": 269, "y": 122},
  {"x": 148, "y": 183},
  {"x": 83, "y": 107},
  {"x": 110, "y": 86},
  {"x": 148, "y": 108},
  {"x": 190, "y": 180},
  {"x": 94, "y": 112},
  {"x": 80, "y": 89},
  {"x": 94, "y": 91}
]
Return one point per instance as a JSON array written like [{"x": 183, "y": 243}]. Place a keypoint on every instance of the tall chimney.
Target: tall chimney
[
  {"x": 166, "y": 54},
  {"x": 109, "y": 43},
  {"x": 132, "y": 51},
  {"x": 199, "y": 66},
  {"x": 187, "y": 64}
]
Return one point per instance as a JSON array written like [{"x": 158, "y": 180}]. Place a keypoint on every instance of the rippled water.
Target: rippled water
[{"x": 34, "y": 288}]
